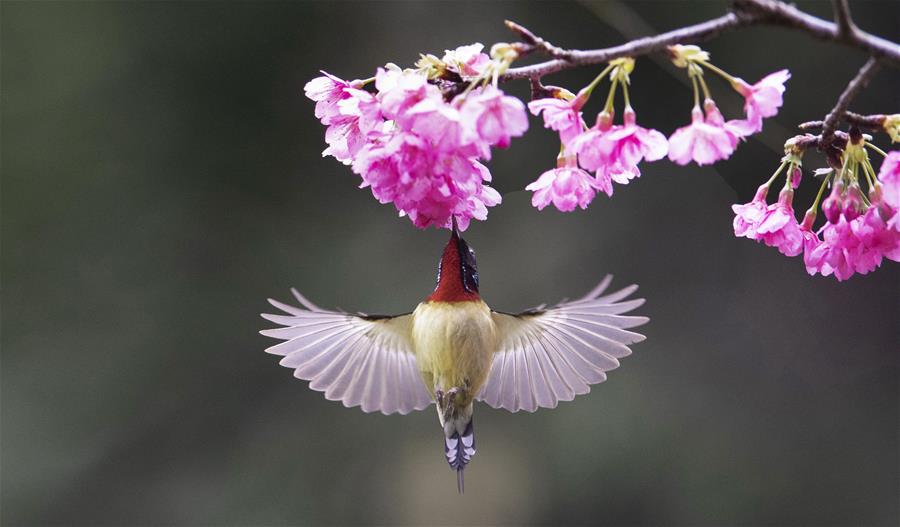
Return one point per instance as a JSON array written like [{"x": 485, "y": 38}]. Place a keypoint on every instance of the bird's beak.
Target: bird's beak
[{"x": 455, "y": 227}]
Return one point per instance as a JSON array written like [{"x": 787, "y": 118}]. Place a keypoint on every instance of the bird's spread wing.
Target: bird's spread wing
[
  {"x": 547, "y": 355},
  {"x": 360, "y": 360}
]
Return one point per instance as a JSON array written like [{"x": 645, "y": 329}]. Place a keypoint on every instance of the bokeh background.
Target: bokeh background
[{"x": 162, "y": 177}]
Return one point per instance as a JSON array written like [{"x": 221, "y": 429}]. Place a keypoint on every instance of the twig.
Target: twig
[
  {"x": 866, "y": 122},
  {"x": 842, "y": 17},
  {"x": 642, "y": 46},
  {"x": 832, "y": 149},
  {"x": 850, "y": 92},
  {"x": 746, "y": 13},
  {"x": 536, "y": 42}
]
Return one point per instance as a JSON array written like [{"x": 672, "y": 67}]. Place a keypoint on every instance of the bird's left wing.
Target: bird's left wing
[
  {"x": 547, "y": 355},
  {"x": 360, "y": 360}
]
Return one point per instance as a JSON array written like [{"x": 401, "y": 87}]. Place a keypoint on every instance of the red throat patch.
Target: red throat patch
[{"x": 451, "y": 287}]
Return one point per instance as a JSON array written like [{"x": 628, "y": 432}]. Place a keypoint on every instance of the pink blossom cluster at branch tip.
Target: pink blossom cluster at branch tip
[
  {"x": 612, "y": 152},
  {"x": 415, "y": 149},
  {"x": 855, "y": 237}
]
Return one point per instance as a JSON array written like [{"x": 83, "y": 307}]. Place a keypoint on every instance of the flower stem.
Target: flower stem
[
  {"x": 590, "y": 87},
  {"x": 715, "y": 69},
  {"x": 875, "y": 148},
  {"x": 775, "y": 175},
  {"x": 625, "y": 94},
  {"x": 611, "y": 97},
  {"x": 705, "y": 87},
  {"x": 696, "y": 91},
  {"x": 815, "y": 204}
]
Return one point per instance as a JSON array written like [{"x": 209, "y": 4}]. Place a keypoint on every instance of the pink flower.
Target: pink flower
[
  {"x": 327, "y": 91},
  {"x": 592, "y": 155},
  {"x": 811, "y": 242},
  {"x": 425, "y": 184},
  {"x": 704, "y": 141},
  {"x": 436, "y": 121},
  {"x": 468, "y": 61},
  {"x": 889, "y": 176},
  {"x": 492, "y": 117},
  {"x": 356, "y": 116},
  {"x": 626, "y": 145},
  {"x": 748, "y": 215},
  {"x": 779, "y": 228},
  {"x": 398, "y": 91},
  {"x": 560, "y": 115},
  {"x": 763, "y": 98},
  {"x": 566, "y": 186},
  {"x": 834, "y": 255}
]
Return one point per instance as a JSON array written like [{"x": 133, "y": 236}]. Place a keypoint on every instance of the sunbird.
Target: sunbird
[{"x": 453, "y": 350}]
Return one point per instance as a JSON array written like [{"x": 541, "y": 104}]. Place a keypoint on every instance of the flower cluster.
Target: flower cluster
[
  {"x": 709, "y": 137},
  {"x": 612, "y": 152},
  {"x": 860, "y": 230},
  {"x": 416, "y": 147}
]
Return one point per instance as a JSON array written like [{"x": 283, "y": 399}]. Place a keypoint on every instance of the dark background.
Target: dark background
[{"x": 162, "y": 177}]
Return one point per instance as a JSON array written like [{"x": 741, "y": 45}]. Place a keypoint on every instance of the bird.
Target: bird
[{"x": 454, "y": 350}]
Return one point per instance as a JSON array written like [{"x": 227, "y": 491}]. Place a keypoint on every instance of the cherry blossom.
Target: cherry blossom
[
  {"x": 566, "y": 186},
  {"x": 493, "y": 117},
  {"x": 778, "y": 227},
  {"x": 762, "y": 99},
  {"x": 705, "y": 140},
  {"x": 563, "y": 116}
]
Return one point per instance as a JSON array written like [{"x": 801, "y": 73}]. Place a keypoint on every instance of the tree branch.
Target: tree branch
[
  {"x": 865, "y": 122},
  {"x": 746, "y": 13},
  {"x": 855, "y": 86},
  {"x": 642, "y": 46}
]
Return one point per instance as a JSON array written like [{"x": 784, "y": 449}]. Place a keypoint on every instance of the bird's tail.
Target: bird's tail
[{"x": 459, "y": 449}]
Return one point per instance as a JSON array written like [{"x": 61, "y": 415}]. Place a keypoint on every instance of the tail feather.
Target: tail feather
[{"x": 459, "y": 450}]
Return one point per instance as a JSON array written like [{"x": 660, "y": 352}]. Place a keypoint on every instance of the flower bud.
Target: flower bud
[
  {"x": 832, "y": 204},
  {"x": 852, "y": 206},
  {"x": 796, "y": 175}
]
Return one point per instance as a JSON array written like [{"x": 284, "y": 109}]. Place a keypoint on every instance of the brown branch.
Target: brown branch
[
  {"x": 746, "y": 13},
  {"x": 853, "y": 88},
  {"x": 778, "y": 13},
  {"x": 865, "y": 122}
]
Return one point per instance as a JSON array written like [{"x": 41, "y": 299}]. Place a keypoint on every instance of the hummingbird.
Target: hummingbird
[{"x": 453, "y": 350}]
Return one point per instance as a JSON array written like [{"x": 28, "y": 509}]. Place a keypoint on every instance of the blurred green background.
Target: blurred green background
[{"x": 162, "y": 177}]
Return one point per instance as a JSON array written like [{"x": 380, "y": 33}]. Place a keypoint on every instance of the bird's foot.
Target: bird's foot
[{"x": 447, "y": 402}]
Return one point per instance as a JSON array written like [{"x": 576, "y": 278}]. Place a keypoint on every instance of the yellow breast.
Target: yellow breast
[{"x": 454, "y": 344}]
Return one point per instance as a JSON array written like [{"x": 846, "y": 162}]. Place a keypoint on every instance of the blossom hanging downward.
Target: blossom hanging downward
[
  {"x": 414, "y": 148},
  {"x": 616, "y": 151},
  {"x": 762, "y": 99},
  {"x": 566, "y": 186},
  {"x": 858, "y": 232},
  {"x": 704, "y": 141},
  {"x": 709, "y": 137}
]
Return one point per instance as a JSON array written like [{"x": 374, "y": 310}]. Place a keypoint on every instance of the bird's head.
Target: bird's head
[{"x": 457, "y": 279}]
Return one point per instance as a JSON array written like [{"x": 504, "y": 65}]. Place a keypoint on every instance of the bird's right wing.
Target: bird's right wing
[
  {"x": 360, "y": 360},
  {"x": 547, "y": 355}
]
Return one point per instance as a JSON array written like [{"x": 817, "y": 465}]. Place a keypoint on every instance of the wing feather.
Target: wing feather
[
  {"x": 548, "y": 355},
  {"x": 356, "y": 359}
]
